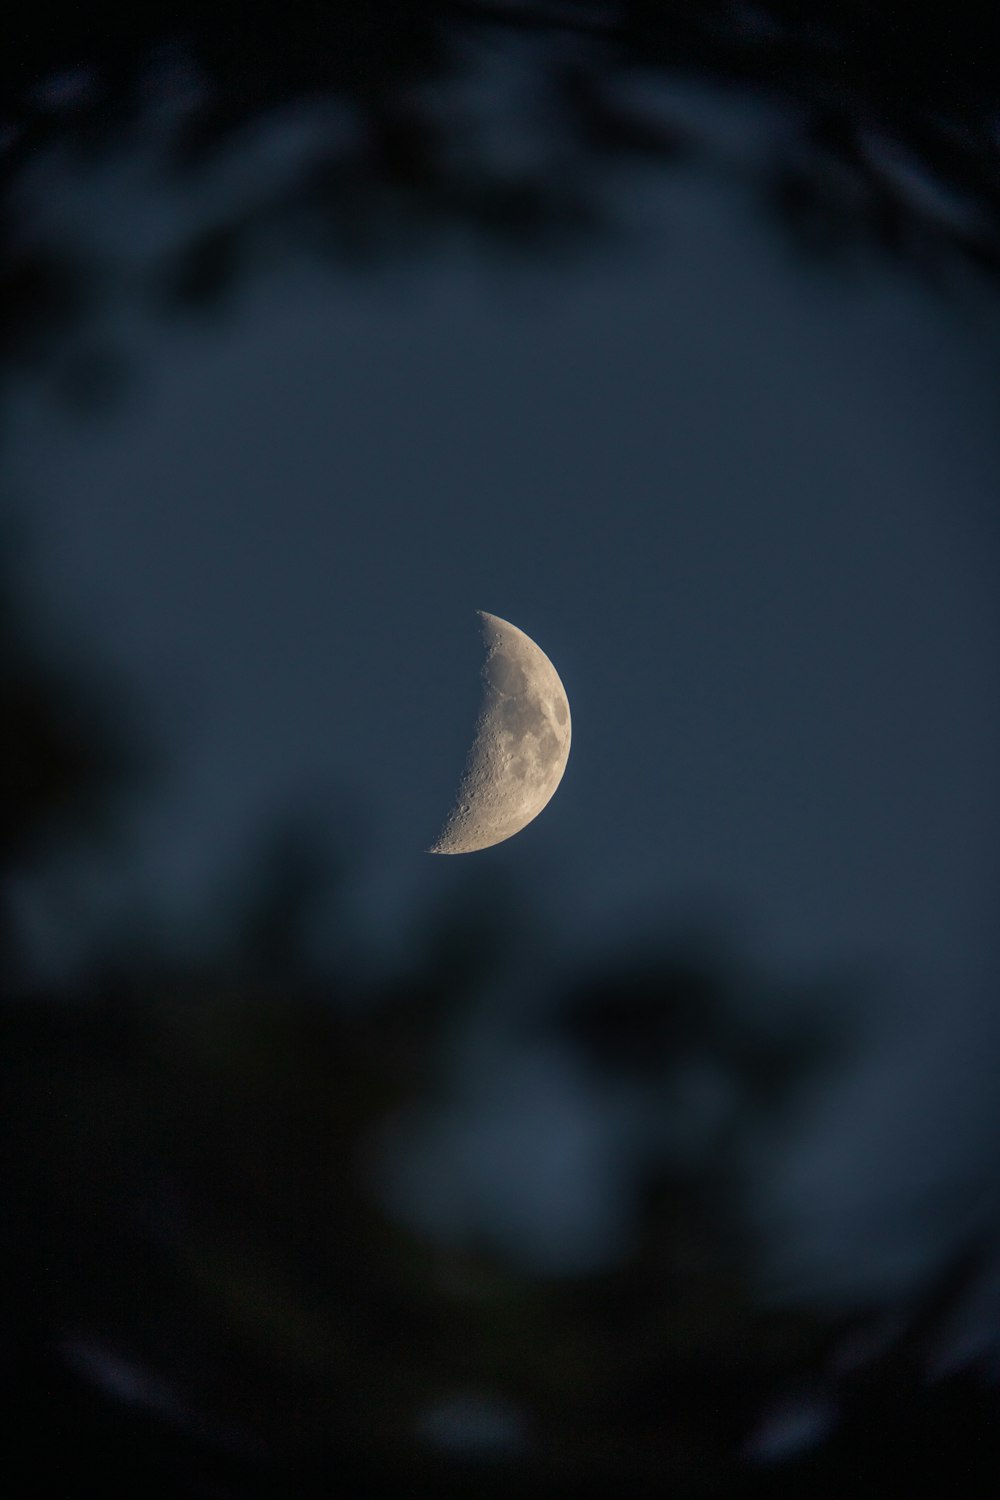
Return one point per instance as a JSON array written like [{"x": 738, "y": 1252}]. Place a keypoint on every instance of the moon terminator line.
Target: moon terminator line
[{"x": 520, "y": 748}]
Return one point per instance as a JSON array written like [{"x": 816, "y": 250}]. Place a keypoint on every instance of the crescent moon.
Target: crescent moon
[{"x": 520, "y": 748}]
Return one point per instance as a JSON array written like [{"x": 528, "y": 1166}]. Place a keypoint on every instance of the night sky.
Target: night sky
[{"x": 747, "y": 507}]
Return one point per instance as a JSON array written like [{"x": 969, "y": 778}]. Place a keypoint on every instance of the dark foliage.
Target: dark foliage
[
  {"x": 887, "y": 140},
  {"x": 203, "y": 1293}
]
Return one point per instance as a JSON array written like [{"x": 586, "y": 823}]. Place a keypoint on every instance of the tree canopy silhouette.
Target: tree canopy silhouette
[
  {"x": 205, "y": 1292},
  {"x": 502, "y": 121}
]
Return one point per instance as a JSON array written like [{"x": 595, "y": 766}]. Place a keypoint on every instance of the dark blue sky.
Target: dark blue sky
[{"x": 747, "y": 510}]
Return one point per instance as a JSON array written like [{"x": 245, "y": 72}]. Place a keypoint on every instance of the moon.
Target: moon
[{"x": 521, "y": 744}]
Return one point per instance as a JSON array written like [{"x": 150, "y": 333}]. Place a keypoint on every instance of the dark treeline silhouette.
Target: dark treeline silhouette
[
  {"x": 203, "y": 1293},
  {"x": 888, "y": 138}
]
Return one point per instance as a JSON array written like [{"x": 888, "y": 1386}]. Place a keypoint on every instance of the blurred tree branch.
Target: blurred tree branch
[
  {"x": 197, "y": 1262},
  {"x": 499, "y": 121},
  {"x": 186, "y": 1143}
]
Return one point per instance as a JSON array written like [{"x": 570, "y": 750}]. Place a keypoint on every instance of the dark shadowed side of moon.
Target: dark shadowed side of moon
[{"x": 520, "y": 748}]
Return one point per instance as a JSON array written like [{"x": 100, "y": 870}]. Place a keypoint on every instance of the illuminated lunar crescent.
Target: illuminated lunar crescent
[{"x": 521, "y": 746}]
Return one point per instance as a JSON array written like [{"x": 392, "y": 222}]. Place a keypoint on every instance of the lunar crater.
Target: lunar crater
[{"x": 521, "y": 744}]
